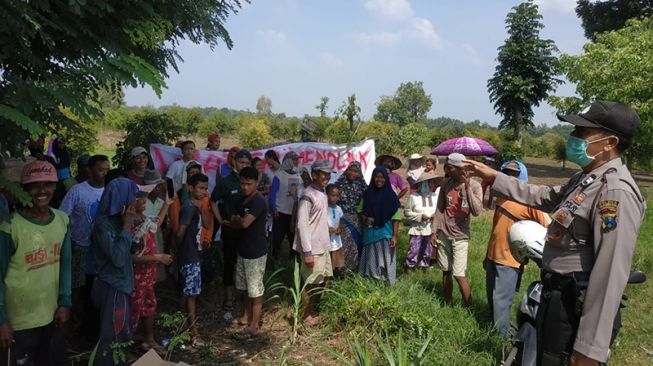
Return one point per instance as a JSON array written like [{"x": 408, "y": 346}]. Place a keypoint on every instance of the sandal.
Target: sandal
[
  {"x": 198, "y": 342},
  {"x": 146, "y": 346},
  {"x": 245, "y": 335}
]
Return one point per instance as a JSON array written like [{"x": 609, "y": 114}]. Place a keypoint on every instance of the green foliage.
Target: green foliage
[
  {"x": 254, "y": 134},
  {"x": 609, "y": 15},
  {"x": 350, "y": 112},
  {"x": 525, "y": 72},
  {"x": 509, "y": 151},
  {"x": 145, "y": 127},
  {"x": 119, "y": 351},
  {"x": 385, "y": 136},
  {"x": 409, "y": 104},
  {"x": 187, "y": 119},
  {"x": 176, "y": 325},
  {"x": 218, "y": 121},
  {"x": 412, "y": 138},
  {"x": 323, "y": 106},
  {"x": 284, "y": 128},
  {"x": 619, "y": 66},
  {"x": 339, "y": 133}
]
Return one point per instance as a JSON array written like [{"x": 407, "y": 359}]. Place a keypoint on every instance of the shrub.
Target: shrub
[
  {"x": 254, "y": 134},
  {"x": 412, "y": 138},
  {"x": 384, "y": 135},
  {"x": 339, "y": 132}
]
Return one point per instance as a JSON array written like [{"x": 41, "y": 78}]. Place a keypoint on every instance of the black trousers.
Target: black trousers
[
  {"x": 230, "y": 240},
  {"x": 42, "y": 346},
  {"x": 282, "y": 228}
]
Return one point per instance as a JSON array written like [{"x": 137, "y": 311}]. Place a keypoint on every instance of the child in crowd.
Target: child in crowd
[
  {"x": 264, "y": 182},
  {"x": 335, "y": 215},
  {"x": 415, "y": 169},
  {"x": 380, "y": 215},
  {"x": 157, "y": 208},
  {"x": 176, "y": 169},
  {"x": 146, "y": 258},
  {"x": 111, "y": 245},
  {"x": 252, "y": 251},
  {"x": 189, "y": 248},
  {"x": 430, "y": 165},
  {"x": 35, "y": 271},
  {"x": 419, "y": 211}
]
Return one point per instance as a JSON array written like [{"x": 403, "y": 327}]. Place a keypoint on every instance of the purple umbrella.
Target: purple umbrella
[{"x": 468, "y": 146}]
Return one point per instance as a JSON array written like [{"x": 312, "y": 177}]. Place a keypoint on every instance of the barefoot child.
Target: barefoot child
[
  {"x": 252, "y": 251},
  {"x": 191, "y": 220},
  {"x": 335, "y": 228},
  {"x": 143, "y": 300}
]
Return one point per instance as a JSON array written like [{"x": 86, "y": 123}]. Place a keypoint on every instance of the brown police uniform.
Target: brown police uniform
[{"x": 596, "y": 218}]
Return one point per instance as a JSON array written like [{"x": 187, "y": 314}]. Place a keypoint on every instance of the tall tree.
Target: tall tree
[
  {"x": 618, "y": 66},
  {"x": 609, "y": 15},
  {"x": 350, "y": 112},
  {"x": 264, "y": 105},
  {"x": 526, "y": 69},
  {"x": 323, "y": 106},
  {"x": 409, "y": 104}
]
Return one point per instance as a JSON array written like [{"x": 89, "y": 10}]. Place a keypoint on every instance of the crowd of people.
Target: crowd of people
[{"x": 91, "y": 247}]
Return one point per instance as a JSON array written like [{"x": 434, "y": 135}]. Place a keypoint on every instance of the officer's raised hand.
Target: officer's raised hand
[{"x": 480, "y": 170}]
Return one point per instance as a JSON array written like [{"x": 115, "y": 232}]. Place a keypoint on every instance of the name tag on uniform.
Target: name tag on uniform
[{"x": 564, "y": 217}]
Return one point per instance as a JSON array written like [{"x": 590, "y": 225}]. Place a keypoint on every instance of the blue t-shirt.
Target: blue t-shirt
[{"x": 80, "y": 204}]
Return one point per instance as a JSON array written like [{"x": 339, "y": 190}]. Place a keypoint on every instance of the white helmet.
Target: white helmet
[{"x": 527, "y": 240}]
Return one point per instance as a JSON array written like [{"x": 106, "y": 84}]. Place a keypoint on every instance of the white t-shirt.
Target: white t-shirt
[
  {"x": 415, "y": 207},
  {"x": 80, "y": 204},
  {"x": 175, "y": 172},
  {"x": 288, "y": 184},
  {"x": 334, "y": 214}
]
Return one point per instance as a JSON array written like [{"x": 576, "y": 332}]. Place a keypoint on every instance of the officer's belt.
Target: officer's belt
[{"x": 555, "y": 281}]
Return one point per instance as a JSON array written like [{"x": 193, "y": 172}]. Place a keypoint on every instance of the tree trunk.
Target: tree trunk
[{"x": 517, "y": 124}]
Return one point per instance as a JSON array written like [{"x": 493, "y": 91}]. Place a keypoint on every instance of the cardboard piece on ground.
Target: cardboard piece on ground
[{"x": 151, "y": 358}]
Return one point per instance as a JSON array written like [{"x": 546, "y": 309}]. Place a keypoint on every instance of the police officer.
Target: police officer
[{"x": 590, "y": 243}]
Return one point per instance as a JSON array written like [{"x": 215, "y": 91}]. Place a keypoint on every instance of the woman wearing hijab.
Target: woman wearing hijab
[
  {"x": 502, "y": 272},
  {"x": 283, "y": 198},
  {"x": 380, "y": 215},
  {"x": 111, "y": 247},
  {"x": 352, "y": 186}
]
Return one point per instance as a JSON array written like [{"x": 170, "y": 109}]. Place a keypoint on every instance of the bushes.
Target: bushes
[
  {"x": 254, "y": 134},
  {"x": 384, "y": 135}
]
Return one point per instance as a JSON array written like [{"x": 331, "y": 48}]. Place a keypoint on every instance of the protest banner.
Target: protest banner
[{"x": 339, "y": 156}]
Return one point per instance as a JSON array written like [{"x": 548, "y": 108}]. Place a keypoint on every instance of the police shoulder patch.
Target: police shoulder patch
[{"x": 608, "y": 212}]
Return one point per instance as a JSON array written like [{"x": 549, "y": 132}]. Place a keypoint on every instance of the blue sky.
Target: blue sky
[{"x": 296, "y": 51}]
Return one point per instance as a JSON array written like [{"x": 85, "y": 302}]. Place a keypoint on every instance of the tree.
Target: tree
[
  {"x": 619, "y": 67},
  {"x": 254, "y": 134},
  {"x": 264, "y": 105},
  {"x": 56, "y": 54},
  {"x": 609, "y": 15},
  {"x": 323, "y": 106},
  {"x": 350, "y": 112},
  {"x": 385, "y": 136},
  {"x": 410, "y": 104},
  {"x": 525, "y": 73},
  {"x": 145, "y": 127}
]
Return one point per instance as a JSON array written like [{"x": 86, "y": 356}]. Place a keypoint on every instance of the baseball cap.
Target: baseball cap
[
  {"x": 193, "y": 164},
  {"x": 612, "y": 116},
  {"x": 145, "y": 190},
  {"x": 243, "y": 153},
  {"x": 152, "y": 177},
  {"x": 455, "y": 159},
  {"x": 213, "y": 136},
  {"x": 138, "y": 150},
  {"x": 38, "y": 171},
  {"x": 322, "y": 166}
]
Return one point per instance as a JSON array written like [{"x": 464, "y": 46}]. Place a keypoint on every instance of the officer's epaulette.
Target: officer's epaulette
[{"x": 613, "y": 180}]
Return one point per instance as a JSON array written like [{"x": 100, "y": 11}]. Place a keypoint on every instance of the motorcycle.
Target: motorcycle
[{"x": 526, "y": 243}]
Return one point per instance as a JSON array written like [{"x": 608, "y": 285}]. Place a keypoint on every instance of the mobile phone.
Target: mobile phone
[{"x": 170, "y": 188}]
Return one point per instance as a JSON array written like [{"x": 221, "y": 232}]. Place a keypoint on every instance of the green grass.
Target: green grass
[{"x": 364, "y": 309}]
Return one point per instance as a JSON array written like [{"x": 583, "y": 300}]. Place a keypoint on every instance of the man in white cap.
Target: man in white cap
[
  {"x": 459, "y": 197},
  {"x": 139, "y": 164}
]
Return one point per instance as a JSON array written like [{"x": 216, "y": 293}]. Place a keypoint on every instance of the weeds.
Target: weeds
[{"x": 176, "y": 325}]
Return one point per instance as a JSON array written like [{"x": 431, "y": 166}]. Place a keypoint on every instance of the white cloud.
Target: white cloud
[
  {"x": 561, "y": 6},
  {"x": 423, "y": 30},
  {"x": 392, "y": 9},
  {"x": 328, "y": 59},
  {"x": 378, "y": 38},
  {"x": 271, "y": 35},
  {"x": 470, "y": 53}
]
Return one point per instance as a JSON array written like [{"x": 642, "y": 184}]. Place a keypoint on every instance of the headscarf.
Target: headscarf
[
  {"x": 287, "y": 164},
  {"x": 380, "y": 203},
  {"x": 523, "y": 172},
  {"x": 351, "y": 191},
  {"x": 119, "y": 193}
]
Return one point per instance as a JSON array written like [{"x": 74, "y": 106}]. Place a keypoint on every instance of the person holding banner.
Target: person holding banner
[{"x": 285, "y": 195}]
